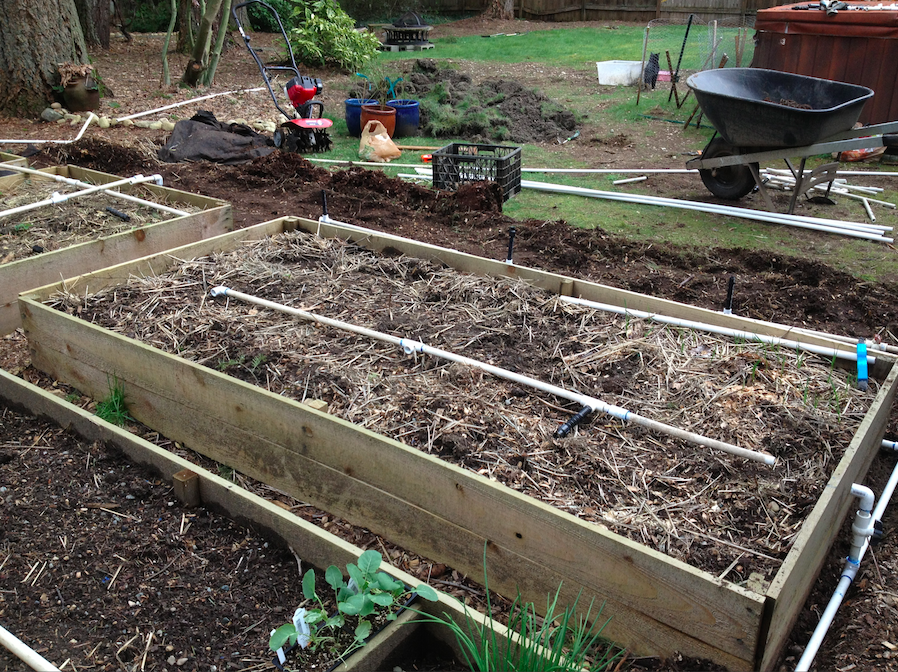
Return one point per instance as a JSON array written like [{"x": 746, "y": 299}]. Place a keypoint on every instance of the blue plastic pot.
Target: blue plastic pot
[
  {"x": 354, "y": 114},
  {"x": 407, "y": 117}
]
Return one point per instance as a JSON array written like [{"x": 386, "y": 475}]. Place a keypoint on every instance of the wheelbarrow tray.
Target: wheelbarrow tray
[{"x": 751, "y": 107}]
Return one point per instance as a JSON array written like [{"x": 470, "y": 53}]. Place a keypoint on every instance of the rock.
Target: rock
[
  {"x": 156, "y": 125},
  {"x": 180, "y": 661},
  {"x": 127, "y": 122},
  {"x": 56, "y": 106},
  {"x": 103, "y": 122},
  {"x": 51, "y": 114},
  {"x": 142, "y": 123},
  {"x": 168, "y": 125}
]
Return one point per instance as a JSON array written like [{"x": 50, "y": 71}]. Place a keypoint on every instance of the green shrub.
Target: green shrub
[
  {"x": 150, "y": 16},
  {"x": 263, "y": 21},
  {"x": 326, "y": 35}
]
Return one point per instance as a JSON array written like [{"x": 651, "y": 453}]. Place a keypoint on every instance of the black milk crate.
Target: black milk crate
[{"x": 459, "y": 163}]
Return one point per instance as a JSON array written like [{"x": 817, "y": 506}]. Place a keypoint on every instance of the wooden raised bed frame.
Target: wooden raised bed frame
[
  {"x": 658, "y": 605},
  {"x": 24, "y": 274}
]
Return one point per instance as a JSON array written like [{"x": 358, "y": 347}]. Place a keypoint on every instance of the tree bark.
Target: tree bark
[
  {"x": 95, "y": 20},
  {"x": 199, "y": 59},
  {"x": 34, "y": 37}
]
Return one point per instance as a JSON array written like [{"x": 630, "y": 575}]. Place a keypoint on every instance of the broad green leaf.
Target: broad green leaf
[
  {"x": 382, "y": 599},
  {"x": 369, "y": 562},
  {"x": 426, "y": 592},
  {"x": 367, "y": 605},
  {"x": 308, "y": 585},
  {"x": 352, "y": 606},
  {"x": 388, "y": 583},
  {"x": 314, "y": 616},
  {"x": 334, "y": 577},
  {"x": 356, "y": 574},
  {"x": 281, "y": 636},
  {"x": 363, "y": 630}
]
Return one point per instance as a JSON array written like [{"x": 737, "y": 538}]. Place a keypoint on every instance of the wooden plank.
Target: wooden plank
[
  {"x": 24, "y": 274},
  {"x": 793, "y": 582},
  {"x": 428, "y": 506},
  {"x": 112, "y": 276}
]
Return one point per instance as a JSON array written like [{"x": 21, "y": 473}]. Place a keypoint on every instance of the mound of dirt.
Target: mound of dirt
[{"x": 495, "y": 109}]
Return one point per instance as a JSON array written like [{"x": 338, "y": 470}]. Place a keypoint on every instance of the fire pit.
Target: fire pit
[{"x": 409, "y": 32}]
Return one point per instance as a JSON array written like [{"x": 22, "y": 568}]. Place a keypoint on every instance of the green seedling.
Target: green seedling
[
  {"x": 113, "y": 409},
  {"x": 557, "y": 641},
  {"x": 368, "y": 592}
]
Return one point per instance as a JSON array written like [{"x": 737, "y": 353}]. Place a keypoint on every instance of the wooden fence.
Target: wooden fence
[{"x": 639, "y": 11}]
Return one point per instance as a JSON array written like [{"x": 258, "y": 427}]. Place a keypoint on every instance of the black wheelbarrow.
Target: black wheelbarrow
[{"x": 763, "y": 115}]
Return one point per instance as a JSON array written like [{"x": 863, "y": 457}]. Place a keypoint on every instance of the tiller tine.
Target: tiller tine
[{"x": 304, "y": 135}]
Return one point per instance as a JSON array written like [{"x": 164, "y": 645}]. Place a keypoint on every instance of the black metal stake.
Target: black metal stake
[
  {"x": 728, "y": 308},
  {"x": 118, "y": 213},
  {"x": 324, "y": 202},
  {"x": 511, "y": 234}
]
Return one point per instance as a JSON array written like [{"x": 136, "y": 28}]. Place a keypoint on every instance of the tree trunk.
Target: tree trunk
[
  {"x": 34, "y": 37},
  {"x": 95, "y": 19},
  {"x": 199, "y": 59},
  {"x": 186, "y": 27}
]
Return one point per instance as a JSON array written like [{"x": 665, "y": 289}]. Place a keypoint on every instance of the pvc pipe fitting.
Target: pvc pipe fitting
[
  {"x": 221, "y": 290},
  {"x": 409, "y": 345}
]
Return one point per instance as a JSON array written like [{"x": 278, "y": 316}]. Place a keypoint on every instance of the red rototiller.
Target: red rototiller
[{"x": 306, "y": 128}]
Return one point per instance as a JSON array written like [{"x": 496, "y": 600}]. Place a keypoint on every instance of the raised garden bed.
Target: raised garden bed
[
  {"x": 659, "y": 604},
  {"x": 58, "y": 241}
]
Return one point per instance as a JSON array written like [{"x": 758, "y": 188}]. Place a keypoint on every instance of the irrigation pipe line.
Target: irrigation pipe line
[
  {"x": 410, "y": 346},
  {"x": 714, "y": 329},
  {"x": 58, "y": 198},
  {"x": 90, "y": 117},
  {"x": 116, "y": 194},
  {"x": 825, "y": 225},
  {"x": 871, "y": 345},
  {"x": 25, "y": 653},
  {"x": 187, "y": 102},
  {"x": 852, "y": 229},
  {"x": 863, "y": 528}
]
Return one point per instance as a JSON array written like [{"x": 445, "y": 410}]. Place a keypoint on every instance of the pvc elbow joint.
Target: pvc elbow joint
[
  {"x": 221, "y": 290},
  {"x": 56, "y": 198}
]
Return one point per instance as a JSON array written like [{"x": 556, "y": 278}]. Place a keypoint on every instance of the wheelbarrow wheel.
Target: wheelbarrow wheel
[{"x": 728, "y": 182}]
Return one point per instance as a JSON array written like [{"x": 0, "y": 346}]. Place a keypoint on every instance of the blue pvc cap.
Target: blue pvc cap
[{"x": 862, "y": 365}]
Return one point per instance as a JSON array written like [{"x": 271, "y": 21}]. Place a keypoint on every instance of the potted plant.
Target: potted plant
[
  {"x": 382, "y": 88},
  {"x": 370, "y": 598},
  {"x": 80, "y": 86},
  {"x": 408, "y": 114}
]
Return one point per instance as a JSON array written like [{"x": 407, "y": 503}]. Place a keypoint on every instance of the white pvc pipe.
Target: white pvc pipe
[
  {"x": 187, "y": 102},
  {"x": 116, "y": 194},
  {"x": 627, "y": 180},
  {"x": 714, "y": 329},
  {"x": 90, "y": 117},
  {"x": 58, "y": 198},
  {"x": 824, "y": 225},
  {"x": 853, "y": 561},
  {"x": 25, "y": 653},
  {"x": 410, "y": 346}
]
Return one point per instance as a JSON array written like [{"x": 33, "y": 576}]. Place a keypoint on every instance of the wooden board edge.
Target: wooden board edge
[
  {"x": 157, "y": 263},
  {"x": 793, "y": 582}
]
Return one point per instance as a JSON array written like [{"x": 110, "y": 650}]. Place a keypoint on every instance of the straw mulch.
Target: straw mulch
[
  {"x": 57, "y": 226},
  {"x": 719, "y": 513}
]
